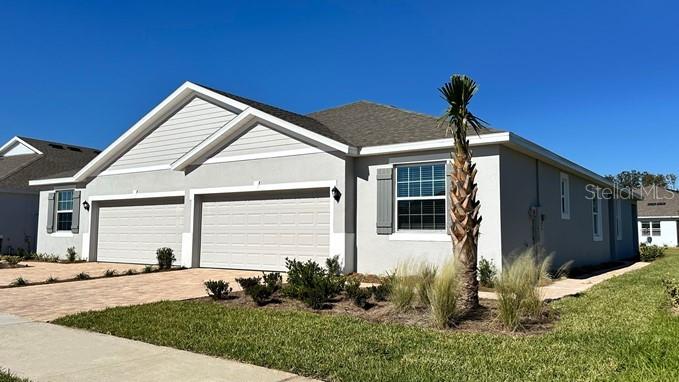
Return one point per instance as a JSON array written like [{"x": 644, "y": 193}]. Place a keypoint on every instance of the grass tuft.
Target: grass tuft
[{"x": 444, "y": 292}]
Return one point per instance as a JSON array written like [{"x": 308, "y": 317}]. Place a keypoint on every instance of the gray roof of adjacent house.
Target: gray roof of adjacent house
[
  {"x": 657, "y": 202},
  {"x": 361, "y": 123},
  {"x": 57, "y": 160}
]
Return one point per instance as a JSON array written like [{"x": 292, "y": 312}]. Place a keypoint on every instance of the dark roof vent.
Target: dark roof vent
[
  {"x": 657, "y": 204},
  {"x": 60, "y": 147},
  {"x": 74, "y": 149}
]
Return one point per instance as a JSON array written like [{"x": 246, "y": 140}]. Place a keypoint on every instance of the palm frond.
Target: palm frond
[{"x": 458, "y": 93}]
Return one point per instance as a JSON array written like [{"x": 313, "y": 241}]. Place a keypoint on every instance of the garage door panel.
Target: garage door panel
[
  {"x": 260, "y": 233},
  {"x": 133, "y": 233}
]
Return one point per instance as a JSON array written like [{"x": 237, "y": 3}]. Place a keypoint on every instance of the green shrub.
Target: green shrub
[
  {"x": 444, "y": 292},
  {"x": 46, "y": 258},
  {"x": 165, "y": 257},
  {"x": 261, "y": 293},
  {"x": 335, "y": 276},
  {"x": 650, "y": 252},
  {"x": 381, "y": 292},
  {"x": 71, "y": 254},
  {"x": 517, "y": 288},
  {"x": 310, "y": 283},
  {"x": 29, "y": 255},
  {"x": 425, "y": 278},
  {"x": 82, "y": 276},
  {"x": 217, "y": 289},
  {"x": 130, "y": 272},
  {"x": 404, "y": 283},
  {"x": 358, "y": 295},
  {"x": 672, "y": 291},
  {"x": 19, "y": 281},
  {"x": 51, "y": 280},
  {"x": 110, "y": 273},
  {"x": 12, "y": 260},
  {"x": 487, "y": 273},
  {"x": 148, "y": 269}
]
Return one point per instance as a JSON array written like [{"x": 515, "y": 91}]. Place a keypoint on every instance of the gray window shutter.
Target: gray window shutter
[
  {"x": 449, "y": 220},
  {"x": 385, "y": 197},
  {"x": 50, "y": 211},
  {"x": 75, "y": 223}
]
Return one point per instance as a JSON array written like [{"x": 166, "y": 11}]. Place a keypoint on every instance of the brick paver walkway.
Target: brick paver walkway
[
  {"x": 48, "y": 302},
  {"x": 40, "y": 271}
]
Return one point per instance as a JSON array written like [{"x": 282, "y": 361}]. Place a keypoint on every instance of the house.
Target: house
[
  {"x": 229, "y": 182},
  {"x": 22, "y": 159},
  {"x": 659, "y": 216}
]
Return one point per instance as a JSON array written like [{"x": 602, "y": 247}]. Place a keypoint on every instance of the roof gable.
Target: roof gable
[
  {"x": 657, "y": 202},
  {"x": 172, "y": 138}
]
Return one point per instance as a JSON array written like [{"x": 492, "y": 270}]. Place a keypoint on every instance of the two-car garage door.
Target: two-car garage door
[
  {"x": 258, "y": 231},
  {"x": 131, "y": 232},
  {"x": 240, "y": 231}
]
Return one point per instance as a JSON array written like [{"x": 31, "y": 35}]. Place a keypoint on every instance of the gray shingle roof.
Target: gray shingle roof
[
  {"x": 658, "y": 202},
  {"x": 57, "y": 160},
  {"x": 365, "y": 123},
  {"x": 361, "y": 123}
]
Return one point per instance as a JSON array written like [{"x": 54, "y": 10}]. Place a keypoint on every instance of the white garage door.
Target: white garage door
[
  {"x": 133, "y": 233},
  {"x": 259, "y": 232}
]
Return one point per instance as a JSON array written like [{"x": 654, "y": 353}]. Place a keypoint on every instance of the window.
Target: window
[
  {"x": 655, "y": 228},
  {"x": 64, "y": 210},
  {"x": 597, "y": 235},
  {"x": 421, "y": 197},
  {"x": 645, "y": 228},
  {"x": 565, "y": 197},
  {"x": 618, "y": 219},
  {"x": 650, "y": 228}
]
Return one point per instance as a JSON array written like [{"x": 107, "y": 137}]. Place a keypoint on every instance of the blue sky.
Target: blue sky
[{"x": 595, "y": 81}]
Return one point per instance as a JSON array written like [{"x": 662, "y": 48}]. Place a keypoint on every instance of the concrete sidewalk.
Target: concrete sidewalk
[
  {"x": 569, "y": 287},
  {"x": 47, "y": 352}
]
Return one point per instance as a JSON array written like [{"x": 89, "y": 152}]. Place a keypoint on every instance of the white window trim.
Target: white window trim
[
  {"x": 565, "y": 196},
  {"x": 414, "y": 234},
  {"x": 58, "y": 211},
  {"x": 599, "y": 221},
  {"x": 659, "y": 228},
  {"x": 618, "y": 219}
]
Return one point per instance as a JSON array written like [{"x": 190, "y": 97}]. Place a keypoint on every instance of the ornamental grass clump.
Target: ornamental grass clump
[
  {"x": 444, "y": 293},
  {"x": 425, "y": 278},
  {"x": 404, "y": 284},
  {"x": 517, "y": 288}
]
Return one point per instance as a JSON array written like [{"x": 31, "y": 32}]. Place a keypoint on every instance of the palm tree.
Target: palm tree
[{"x": 463, "y": 206}]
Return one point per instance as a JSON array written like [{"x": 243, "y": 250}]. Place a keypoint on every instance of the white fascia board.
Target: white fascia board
[
  {"x": 138, "y": 195},
  {"x": 215, "y": 140},
  {"x": 167, "y": 106},
  {"x": 14, "y": 140},
  {"x": 658, "y": 217},
  {"x": 446, "y": 143},
  {"x": 46, "y": 182},
  {"x": 263, "y": 187},
  {"x": 527, "y": 147}
]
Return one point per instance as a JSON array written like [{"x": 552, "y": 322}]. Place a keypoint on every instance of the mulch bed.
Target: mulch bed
[{"x": 482, "y": 320}]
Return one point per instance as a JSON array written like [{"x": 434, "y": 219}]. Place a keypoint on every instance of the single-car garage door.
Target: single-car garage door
[
  {"x": 131, "y": 232},
  {"x": 258, "y": 231}
]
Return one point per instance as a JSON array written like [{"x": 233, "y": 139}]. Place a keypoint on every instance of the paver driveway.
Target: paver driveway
[
  {"x": 37, "y": 271},
  {"x": 50, "y": 301}
]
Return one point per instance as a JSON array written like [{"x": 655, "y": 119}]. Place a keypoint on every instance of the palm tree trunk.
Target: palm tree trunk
[{"x": 464, "y": 213}]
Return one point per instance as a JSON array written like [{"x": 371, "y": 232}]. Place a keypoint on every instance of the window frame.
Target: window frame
[
  {"x": 58, "y": 211},
  {"x": 396, "y": 198},
  {"x": 659, "y": 228},
  {"x": 565, "y": 196},
  {"x": 597, "y": 218},
  {"x": 647, "y": 230}
]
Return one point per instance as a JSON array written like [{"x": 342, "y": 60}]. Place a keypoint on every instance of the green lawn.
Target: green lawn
[{"x": 619, "y": 330}]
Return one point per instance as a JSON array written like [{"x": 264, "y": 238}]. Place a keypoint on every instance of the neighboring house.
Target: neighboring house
[
  {"x": 23, "y": 159},
  {"x": 659, "y": 216},
  {"x": 229, "y": 182}
]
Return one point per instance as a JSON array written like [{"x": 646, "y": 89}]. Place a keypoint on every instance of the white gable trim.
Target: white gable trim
[
  {"x": 445, "y": 143},
  {"x": 7, "y": 146},
  {"x": 169, "y": 105}
]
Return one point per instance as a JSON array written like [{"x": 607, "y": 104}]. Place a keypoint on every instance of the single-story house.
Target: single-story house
[
  {"x": 229, "y": 182},
  {"x": 23, "y": 159},
  {"x": 659, "y": 216}
]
